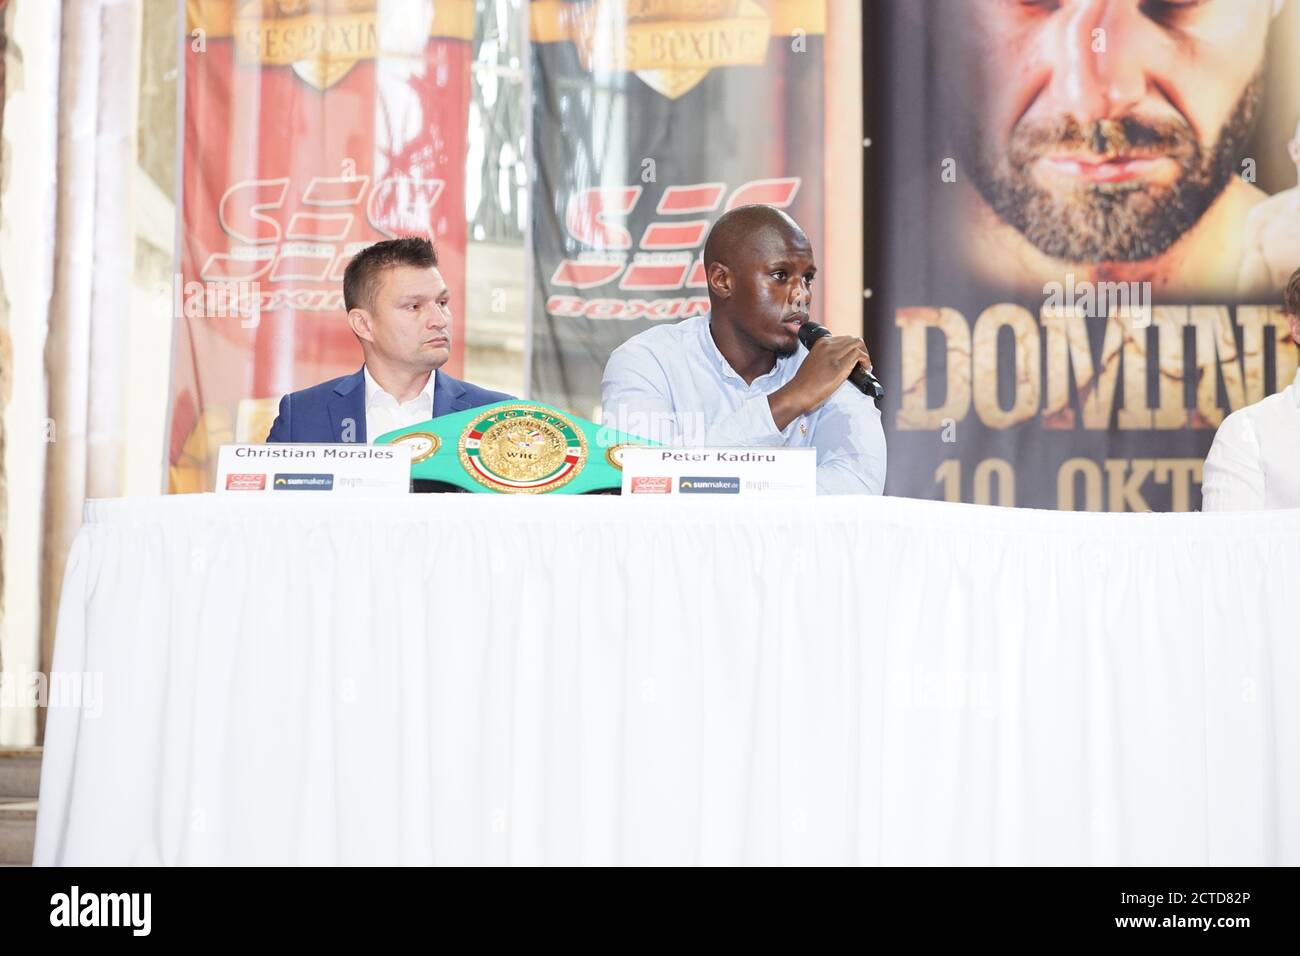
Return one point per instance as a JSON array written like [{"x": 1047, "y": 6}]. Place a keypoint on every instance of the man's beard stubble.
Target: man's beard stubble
[
  {"x": 1112, "y": 222},
  {"x": 785, "y": 351}
]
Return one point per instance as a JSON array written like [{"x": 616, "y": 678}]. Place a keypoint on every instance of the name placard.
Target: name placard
[
  {"x": 359, "y": 470},
  {"x": 771, "y": 472}
]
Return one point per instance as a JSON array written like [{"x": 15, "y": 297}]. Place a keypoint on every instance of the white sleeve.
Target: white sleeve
[
  {"x": 1233, "y": 479},
  {"x": 850, "y": 443}
]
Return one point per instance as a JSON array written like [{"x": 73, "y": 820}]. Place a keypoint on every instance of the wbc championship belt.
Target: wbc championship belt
[{"x": 514, "y": 448}]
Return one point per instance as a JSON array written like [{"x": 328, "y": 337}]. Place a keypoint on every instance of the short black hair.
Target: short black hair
[
  {"x": 1291, "y": 297},
  {"x": 362, "y": 273}
]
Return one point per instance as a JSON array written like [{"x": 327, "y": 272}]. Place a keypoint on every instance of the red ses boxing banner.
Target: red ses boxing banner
[{"x": 312, "y": 128}]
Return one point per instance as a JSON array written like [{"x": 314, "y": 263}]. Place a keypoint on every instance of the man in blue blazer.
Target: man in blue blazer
[{"x": 399, "y": 309}]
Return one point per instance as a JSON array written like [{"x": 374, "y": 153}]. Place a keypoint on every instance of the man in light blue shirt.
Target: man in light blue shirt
[{"x": 739, "y": 377}]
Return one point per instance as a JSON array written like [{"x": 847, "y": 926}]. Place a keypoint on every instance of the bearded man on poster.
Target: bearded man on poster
[{"x": 1106, "y": 139}]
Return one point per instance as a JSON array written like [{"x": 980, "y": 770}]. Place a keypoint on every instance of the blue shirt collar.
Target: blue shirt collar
[{"x": 724, "y": 367}]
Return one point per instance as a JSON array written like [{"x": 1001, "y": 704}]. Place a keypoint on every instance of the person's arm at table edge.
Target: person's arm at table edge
[
  {"x": 1232, "y": 479},
  {"x": 852, "y": 453},
  {"x": 852, "y": 474}
]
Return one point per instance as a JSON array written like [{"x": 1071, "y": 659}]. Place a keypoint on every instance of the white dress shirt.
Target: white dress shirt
[
  {"x": 671, "y": 384},
  {"x": 1254, "y": 463},
  {"x": 384, "y": 414}
]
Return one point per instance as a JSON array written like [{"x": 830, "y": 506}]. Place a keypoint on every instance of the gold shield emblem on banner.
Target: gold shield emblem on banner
[
  {"x": 323, "y": 73},
  {"x": 322, "y": 40},
  {"x": 671, "y": 45}
]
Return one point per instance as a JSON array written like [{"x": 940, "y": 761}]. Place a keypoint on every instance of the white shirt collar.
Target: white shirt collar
[{"x": 376, "y": 394}]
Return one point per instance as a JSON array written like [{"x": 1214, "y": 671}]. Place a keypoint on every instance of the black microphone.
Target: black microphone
[{"x": 862, "y": 380}]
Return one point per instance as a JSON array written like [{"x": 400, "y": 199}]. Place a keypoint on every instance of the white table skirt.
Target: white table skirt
[{"x": 476, "y": 679}]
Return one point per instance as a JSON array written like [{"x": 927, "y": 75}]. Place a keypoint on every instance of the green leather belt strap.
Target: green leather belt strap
[{"x": 516, "y": 447}]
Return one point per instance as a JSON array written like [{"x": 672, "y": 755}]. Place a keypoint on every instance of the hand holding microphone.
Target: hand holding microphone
[
  {"x": 810, "y": 333},
  {"x": 831, "y": 360}
]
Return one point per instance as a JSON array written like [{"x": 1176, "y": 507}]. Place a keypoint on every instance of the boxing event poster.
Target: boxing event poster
[
  {"x": 312, "y": 128},
  {"x": 650, "y": 119},
  {"x": 1086, "y": 216}
]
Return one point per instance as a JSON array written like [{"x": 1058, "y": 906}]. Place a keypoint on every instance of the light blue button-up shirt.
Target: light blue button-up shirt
[{"x": 671, "y": 384}]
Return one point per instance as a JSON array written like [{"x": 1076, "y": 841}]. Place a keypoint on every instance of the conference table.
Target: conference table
[{"x": 477, "y": 679}]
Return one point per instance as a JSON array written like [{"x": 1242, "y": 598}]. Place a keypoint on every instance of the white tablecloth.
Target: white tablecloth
[{"x": 475, "y": 679}]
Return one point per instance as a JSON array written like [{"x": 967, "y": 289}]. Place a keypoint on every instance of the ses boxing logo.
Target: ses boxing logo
[
  {"x": 298, "y": 241},
  {"x": 652, "y": 485},
  {"x": 659, "y": 274},
  {"x": 246, "y": 482}
]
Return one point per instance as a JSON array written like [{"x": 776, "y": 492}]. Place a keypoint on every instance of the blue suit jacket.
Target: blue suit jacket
[{"x": 321, "y": 414}]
